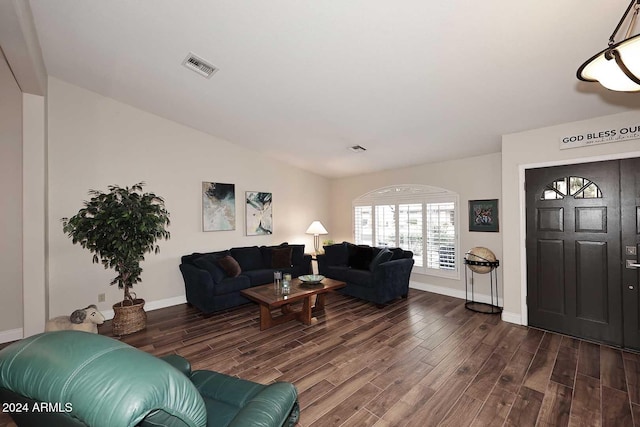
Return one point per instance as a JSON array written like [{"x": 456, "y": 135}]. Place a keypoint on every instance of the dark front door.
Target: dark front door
[
  {"x": 580, "y": 221},
  {"x": 630, "y": 208}
]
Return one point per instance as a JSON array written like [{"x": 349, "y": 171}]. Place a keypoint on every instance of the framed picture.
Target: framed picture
[
  {"x": 218, "y": 206},
  {"x": 259, "y": 214},
  {"x": 483, "y": 215}
]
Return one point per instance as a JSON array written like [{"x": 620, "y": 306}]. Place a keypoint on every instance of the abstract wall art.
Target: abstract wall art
[
  {"x": 483, "y": 215},
  {"x": 259, "y": 214},
  {"x": 218, "y": 206}
]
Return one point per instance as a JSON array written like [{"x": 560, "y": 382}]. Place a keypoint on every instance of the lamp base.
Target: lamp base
[{"x": 316, "y": 243}]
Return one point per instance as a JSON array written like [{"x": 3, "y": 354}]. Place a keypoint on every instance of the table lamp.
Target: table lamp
[{"x": 316, "y": 228}]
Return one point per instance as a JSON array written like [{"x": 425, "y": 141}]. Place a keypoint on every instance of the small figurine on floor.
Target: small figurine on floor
[{"x": 84, "y": 319}]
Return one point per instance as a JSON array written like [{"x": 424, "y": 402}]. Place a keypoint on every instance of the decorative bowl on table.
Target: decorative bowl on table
[{"x": 311, "y": 279}]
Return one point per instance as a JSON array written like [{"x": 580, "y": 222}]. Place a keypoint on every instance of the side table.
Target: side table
[
  {"x": 314, "y": 262},
  {"x": 472, "y": 304}
]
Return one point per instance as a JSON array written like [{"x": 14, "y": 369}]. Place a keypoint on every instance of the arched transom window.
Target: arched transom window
[{"x": 572, "y": 186}]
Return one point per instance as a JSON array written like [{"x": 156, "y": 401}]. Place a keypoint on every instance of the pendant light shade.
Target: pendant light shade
[{"x": 617, "y": 67}]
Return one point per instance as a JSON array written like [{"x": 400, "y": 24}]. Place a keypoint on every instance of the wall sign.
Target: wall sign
[{"x": 600, "y": 136}]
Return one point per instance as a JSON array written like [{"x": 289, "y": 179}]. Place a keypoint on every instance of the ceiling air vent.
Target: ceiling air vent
[
  {"x": 357, "y": 149},
  {"x": 199, "y": 65}
]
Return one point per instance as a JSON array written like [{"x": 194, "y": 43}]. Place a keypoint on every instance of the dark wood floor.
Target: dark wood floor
[{"x": 424, "y": 361}]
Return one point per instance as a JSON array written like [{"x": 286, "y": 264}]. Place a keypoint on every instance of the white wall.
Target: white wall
[
  {"x": 537, "y": 148},
  {"x": 96, "y": 141},
  {"x": 11, "y": 206},
  {"x": 472, "y": 178},
  {"x": 34, "y": 198}
]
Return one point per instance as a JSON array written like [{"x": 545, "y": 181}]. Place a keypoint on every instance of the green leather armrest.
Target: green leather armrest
[
  {"x": 247, "y": 403},
  {"x": 108, "y": 383},
  {"x": 178, "y": 362},
  {"x": 224, "y": 388},
  {"x": 272, "y": 406}
]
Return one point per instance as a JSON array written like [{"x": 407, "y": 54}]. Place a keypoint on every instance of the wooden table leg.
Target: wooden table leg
[
  {"x": 320, "y": 301},
  {"x": 304, "y": 315},
  {"x": 266, "y": 321}
]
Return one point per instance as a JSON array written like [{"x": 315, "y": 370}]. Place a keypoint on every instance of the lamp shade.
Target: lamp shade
[
  {"x": 316, "y": 228},
  {"x": 616, "y": 67}
]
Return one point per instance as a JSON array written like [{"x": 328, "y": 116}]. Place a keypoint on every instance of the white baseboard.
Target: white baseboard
[
  {"x": 456, "y": 293},
  {"x": 512, "y": 317},
  {"x": 152, "y": 305},
  {"x": 11, "y": 335}
]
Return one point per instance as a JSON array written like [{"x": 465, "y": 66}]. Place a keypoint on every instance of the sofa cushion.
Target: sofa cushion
[
  {"x": 297, "y": 254},
  {"x": 259, "y": 277},
  {"x": 209, "y": 262},
  {"x": 267, "y": 258},
  {"x": 281, "y": 257},
  {"x": 360, "y": 278},
  {"x": 249, "y": 258},
  {"x": 337, "y": 272},
  {"x": 230, "y": 285},
  {"x": 230, "y": 266},
  {"x": 188, "y": 259},
  {"x": 383, "y": 255},
  {"x": 360, "y": 256},
  {"x": 336, "y": 255}
]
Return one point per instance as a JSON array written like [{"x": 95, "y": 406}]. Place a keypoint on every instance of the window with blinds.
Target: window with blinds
[
  {"x": 410, "y": 230},
  {"x": 441, "y": 236},
  {"x": 421, "y": 219},
  {"x": 363, "y": 225},
  {"x": 386, "y": 225}
]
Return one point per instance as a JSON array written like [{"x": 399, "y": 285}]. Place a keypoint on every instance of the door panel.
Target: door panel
[
  {"x": 551, "y": 272},
  {"x": 630, "y": 188},
  {"x": 573, "y": 250},
  {"x": 592, "y": 274}
]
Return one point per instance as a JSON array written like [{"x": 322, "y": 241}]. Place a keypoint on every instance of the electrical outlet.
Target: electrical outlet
[{"x": 101, "y": 297}]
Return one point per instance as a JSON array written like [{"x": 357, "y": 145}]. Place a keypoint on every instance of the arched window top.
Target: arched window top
[
  {"x": 401, "y": 192},
  {"x": 572, "y": 186}
]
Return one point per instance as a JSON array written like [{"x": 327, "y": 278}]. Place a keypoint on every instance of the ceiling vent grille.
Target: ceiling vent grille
[
  {"x": 357, "y": 149},
  {"x": 199, "y": 65}
]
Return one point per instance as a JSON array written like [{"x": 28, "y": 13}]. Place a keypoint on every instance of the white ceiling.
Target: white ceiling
[{"x": 413, "y": 81}]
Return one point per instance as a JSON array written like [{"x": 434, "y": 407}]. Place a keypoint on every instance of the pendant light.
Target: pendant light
[{"x": 618, "y": 66}]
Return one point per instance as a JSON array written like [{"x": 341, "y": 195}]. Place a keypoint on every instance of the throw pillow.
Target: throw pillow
[
  {"x": 398, "y": 253},
  {"x": 230, "y": 266},
  {"x": 209, "y": 262},
  {"x": 336, "y": 255},
  {"x": 281, "y": 257},
  {"x": 383, "y": 256},
  {"x": 360, "y": 256}
]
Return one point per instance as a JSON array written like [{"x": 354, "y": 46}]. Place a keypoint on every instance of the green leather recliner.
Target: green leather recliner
[{"x": 72, "y": 378}]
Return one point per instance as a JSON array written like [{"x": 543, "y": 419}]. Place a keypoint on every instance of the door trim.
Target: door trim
[{"x": 524, "y": 316}]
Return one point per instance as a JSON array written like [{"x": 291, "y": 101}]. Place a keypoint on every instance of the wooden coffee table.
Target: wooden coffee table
[{"x": 265, "y": 295}]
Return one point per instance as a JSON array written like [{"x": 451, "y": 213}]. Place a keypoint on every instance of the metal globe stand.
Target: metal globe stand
[{"x": 472, "y": 304}]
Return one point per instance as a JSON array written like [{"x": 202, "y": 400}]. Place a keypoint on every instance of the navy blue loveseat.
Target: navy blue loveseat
[
  {"x": 209, "y": 287},
  {"x": 378, "y": 275}
]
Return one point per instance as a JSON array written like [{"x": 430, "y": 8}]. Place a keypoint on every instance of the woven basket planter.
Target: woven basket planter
[{"x": 129, "y": 317}]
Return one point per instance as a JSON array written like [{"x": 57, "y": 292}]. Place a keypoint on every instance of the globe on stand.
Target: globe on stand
[{"x": 480, "y": 254}]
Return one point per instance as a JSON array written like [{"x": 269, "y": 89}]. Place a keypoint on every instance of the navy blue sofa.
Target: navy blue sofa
[
  {"x": 209, "y": 287},
  {"x": 378, "y": 275}
]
